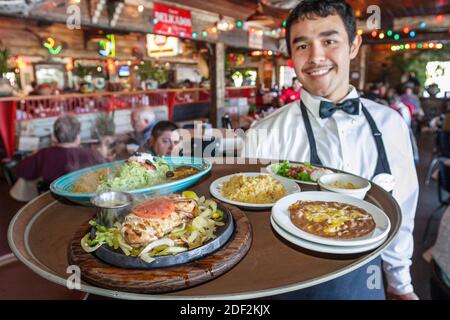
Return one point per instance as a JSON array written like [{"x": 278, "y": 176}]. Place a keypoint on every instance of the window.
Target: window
[
  {"x": 286, "y": 75},
  {"x": 438, "y": 72},
  {"x": 49, "y": 73},
  {"x": 244, "y": 78}
]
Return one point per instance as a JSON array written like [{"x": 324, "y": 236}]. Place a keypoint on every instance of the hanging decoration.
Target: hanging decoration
[
  {"x": 240, "y": 59},
  {"x": 265, "y": 53},
  {"x": 402, "y": 32},
  {"x": 223, "y": 25},
  {"x": 236, "y": 59}
]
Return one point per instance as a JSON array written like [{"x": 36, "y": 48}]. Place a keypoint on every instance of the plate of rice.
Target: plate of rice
[{"x": 252, "y": 190}]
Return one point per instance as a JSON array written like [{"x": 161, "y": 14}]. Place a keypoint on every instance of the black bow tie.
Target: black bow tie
[{"x": 351, "y": 106}]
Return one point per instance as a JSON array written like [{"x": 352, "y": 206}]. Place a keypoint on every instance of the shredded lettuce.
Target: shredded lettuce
[
  {"x": 131, "y": 175},
  {"x": 282, "y": 168}
]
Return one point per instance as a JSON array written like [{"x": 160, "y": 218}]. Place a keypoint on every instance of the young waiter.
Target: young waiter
[{"x": 334, "y": 127}]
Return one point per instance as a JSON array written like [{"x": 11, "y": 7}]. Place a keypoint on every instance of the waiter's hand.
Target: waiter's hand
[{"x": 407, "y": 296}]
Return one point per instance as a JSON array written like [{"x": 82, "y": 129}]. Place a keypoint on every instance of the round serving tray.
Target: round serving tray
[
  {"x": 119, "y": 259},
  {"x": 160, "y": 280}
]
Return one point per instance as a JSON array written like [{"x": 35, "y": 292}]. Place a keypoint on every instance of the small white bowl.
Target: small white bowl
[{"x": 327, "y": 183}]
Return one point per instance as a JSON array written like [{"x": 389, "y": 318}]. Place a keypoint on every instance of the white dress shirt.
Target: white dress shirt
[{"x": 345, "y": 142}]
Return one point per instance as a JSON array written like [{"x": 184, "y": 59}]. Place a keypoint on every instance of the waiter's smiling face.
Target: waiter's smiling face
[{"x": 321, "y": 52}]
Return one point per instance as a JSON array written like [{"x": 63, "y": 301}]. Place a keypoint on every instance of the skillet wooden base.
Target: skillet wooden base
[{"x": 163, "y": 280}]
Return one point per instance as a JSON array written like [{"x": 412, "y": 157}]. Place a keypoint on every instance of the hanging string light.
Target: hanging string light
[{"x": 413, "y": 46}]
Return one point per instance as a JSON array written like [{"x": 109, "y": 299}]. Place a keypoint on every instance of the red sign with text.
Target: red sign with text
[{"x": 172, "y": 21}]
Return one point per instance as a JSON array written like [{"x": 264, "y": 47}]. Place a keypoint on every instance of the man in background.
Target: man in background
[
  {"x": 292, "y": 93},
  {"x": 143, "y": 119}
]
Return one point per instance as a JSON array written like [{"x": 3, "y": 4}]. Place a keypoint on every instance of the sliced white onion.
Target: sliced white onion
[
  {"x": 175, "y": 249},
  {"x": 157, "y": 243},
  {"x": 146, "y": 258},
  {"x": 181, "y": 228},
  {"x": 86, "y": 247},
  {"x": 192, "y": 237}
]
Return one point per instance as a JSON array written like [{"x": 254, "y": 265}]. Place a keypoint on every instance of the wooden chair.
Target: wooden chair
[
  {"x": 443, "y": 186},
  {"x": 438, "y": 288},
  {"x": 441, "y": 149}
]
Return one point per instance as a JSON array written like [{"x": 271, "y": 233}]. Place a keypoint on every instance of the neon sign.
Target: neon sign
[
  {"x": 50, "y": 45},
  {"x": 108, "y": 46}
]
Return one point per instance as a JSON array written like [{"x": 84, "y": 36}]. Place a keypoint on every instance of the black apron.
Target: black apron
[{"x": 354, "y": 285}]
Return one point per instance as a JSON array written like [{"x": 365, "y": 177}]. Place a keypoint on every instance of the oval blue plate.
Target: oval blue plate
[{"x": 63, "y": 186}]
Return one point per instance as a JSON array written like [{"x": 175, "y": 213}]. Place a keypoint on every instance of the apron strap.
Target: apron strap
[
  {"x": 312, "y": 141},
  {"x": 382, "y": 162}
]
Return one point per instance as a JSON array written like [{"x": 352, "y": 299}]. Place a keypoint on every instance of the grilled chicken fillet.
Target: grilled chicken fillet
[{"x": 153, "y": 219}]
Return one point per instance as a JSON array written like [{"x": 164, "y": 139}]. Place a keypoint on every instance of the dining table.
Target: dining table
[{"x": 41, "y": 232}]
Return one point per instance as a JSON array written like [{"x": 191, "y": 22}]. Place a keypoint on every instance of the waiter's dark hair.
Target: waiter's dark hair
[
  {"x": 308, "y": 9},
  {"x": 163, "y": 126}
]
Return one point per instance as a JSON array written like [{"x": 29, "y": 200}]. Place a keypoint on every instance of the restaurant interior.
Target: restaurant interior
[{"x": 215, "y": 69}]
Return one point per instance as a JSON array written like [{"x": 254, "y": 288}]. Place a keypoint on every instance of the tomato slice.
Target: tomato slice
[{"x": 157, "y": 208}]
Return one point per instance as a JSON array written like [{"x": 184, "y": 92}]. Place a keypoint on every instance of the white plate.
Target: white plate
[
  {"x": 280, "y": 214},
  {"x": 215, "y": 189},
  {"x": 321, "y": 247},
  {"x": 269, "y": 169}
]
